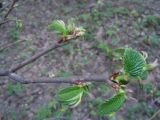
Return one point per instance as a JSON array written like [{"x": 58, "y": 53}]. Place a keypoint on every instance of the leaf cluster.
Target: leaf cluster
[
  {"x": 68, "y": 31},
  {"x": 134, "y": 66}
]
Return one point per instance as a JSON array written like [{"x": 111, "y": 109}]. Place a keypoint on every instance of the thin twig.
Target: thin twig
[
  {"x": 70, "y": 80},
  {"x": 10, "y": 9},
  {"x": 33, "y": 58},
  {"x": 36, "y": 56}
]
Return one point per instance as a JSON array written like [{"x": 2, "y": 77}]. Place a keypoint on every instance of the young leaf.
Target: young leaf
[
  {"x": 151, "y": 66},
  {"x": 73, "y": 101},
  {"x": 71, "y": 96},
  {"x": 113, "y": 104},
  {"x": 70, "y": 93},
  {"x": 77, "y": 101},
  {"x": 133, "y": 62},
  {"x": 71, "y": 25},
  {"x": 122, "y": 80},
  {"x": 58, "y": 25}
]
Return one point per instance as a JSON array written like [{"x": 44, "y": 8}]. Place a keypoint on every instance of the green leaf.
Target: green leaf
[
  {"x": 151, "y": 66},
  {"x": 58, "y": 25},
  {"x": 77, "y": 101},
  {"x": 71, "y": 96},
  {"x": 19, "y": 25},
  {"x": 73, "y": 101},
  {"x": 71, "y": 25},
  {"x": 113, "y": 104},
  {"x": 122, "y": 80},
  {"x": 133, "y": 62},
  {"x": 70, "y": 93}
]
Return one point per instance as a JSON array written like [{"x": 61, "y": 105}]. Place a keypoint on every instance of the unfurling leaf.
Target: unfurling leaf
[
  {"x": 152, "y": 65},
  {"x": 71, "y": 95},
  {"x": 133, "y": 62},
  {"x": 71, "y": 25},
  {"x": 113, "y": 104},
  {"x": 58, "y": 25},
  {"x": 66, "y": 32}
]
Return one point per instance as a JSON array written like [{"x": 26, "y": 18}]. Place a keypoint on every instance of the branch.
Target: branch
[
  {"x": 10, "y": 9},
  {"x": 36, "y": 56},
  {"x": 70, "y": 80},
  {"x": 32, "y": 59}
]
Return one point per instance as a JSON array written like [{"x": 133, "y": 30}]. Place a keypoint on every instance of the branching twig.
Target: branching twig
[
  {"x": 71, "y": 80},
  {"x": 10, "y": 9}
]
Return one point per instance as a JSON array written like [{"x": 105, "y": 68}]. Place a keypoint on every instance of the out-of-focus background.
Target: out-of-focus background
[{"x": 109, "y": 24}]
